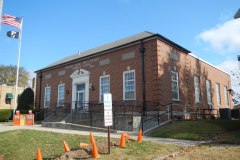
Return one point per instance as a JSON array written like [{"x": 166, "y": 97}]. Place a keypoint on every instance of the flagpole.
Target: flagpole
[
  {"x": 1, "y": 6},
  {"x": 17, "y": 75}
]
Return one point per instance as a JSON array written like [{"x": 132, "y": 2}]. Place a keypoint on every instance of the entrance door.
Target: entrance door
[
  {"x": 80, "y": 89},
  {"x": 81, "y": 96}
]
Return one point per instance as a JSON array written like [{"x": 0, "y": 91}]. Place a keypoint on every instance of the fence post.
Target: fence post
[
  {"x": 91, "y": 117},
  {"x": 158, "y": 118},
  {"x": 142, "y": 119},
  {"x": 72, "y": 114},
  {"x": 114, "y": 118},
  {"x": 132, "y": 108},
  {"x": 168, "y": 109},
  {"x": 171, "y": 111}
]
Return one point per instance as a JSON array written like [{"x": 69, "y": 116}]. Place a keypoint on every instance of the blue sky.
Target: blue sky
[{"x": 54, "y": 29}]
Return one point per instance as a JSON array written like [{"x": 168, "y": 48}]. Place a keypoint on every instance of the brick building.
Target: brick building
[
  {"x": 7, "y": 96},
  {"x": 145, "y": 67}
]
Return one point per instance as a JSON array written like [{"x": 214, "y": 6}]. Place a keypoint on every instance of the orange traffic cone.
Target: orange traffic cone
[
  {"x": 128, "y": 137},
  {"x": 66, "y": 148},
  {"x": 122, "y": 141},
  {"x": 91, "y": 138},
  {"x": 139, "y": 139},
  {"x": 94, "y": 151},
  {"x": 83, "y": 145},
  {"x": 39, "y": 156}
]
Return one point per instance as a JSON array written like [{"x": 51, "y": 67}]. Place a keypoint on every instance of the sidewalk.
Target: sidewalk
[{"x": 184, "y": 143}]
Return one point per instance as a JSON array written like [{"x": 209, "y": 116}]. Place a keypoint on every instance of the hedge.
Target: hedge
[{"x": 5, "y": 114}]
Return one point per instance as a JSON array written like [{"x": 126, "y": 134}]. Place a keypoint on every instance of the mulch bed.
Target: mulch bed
[
  {"x": 86, "y": 153},
  {"x": 1, "y": 157}
]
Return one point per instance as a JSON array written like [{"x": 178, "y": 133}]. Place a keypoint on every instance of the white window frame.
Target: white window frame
[
  {"x": 218, "y": 94},
  {"x": 100, "y": 87},
  {"x": 197, "y": 92},
  {"x": 45, "y": 97},
  {"x": 226, "y": 96},
  {"x": 176, "y": 81},
  {"x": 209, "y": 91},
  {"x": 58, "y": 102},
  {"x": 124, "y": 93}
]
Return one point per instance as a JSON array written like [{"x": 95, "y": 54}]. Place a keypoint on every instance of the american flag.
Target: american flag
[{"x": 12, "y": 21}]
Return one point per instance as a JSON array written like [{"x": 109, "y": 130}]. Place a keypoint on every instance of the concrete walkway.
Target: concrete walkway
[{"x": 184, "y": 143}]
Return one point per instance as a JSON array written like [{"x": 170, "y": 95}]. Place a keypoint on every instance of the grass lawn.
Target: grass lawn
[
  {"x": 222, "y": 131},
  {"x": 22, "y": 145},
  {"x": 208, "y": 152}
]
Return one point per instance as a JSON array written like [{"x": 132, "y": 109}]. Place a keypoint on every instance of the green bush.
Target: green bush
[
  {"x": 5, "y": 114},
  {"x": 26, "y": 100}
]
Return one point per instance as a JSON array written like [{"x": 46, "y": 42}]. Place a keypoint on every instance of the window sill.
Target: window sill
[
  {"x": 176, "y": 100},
  {"x": 129, "y": 100}
]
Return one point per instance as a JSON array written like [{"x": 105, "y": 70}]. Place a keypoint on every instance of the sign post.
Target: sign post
[{"x": 108, "y": 119}]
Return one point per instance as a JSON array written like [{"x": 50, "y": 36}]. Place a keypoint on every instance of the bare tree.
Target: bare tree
[{"x": 8, "y": 75}]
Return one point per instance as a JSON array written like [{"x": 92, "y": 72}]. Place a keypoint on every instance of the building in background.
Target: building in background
[
  {"x": 7, "y": 96},
  {"x": 144, "y": 68}
]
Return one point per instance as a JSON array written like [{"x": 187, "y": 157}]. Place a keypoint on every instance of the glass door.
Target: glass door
[{"x": 80, "y": 96}]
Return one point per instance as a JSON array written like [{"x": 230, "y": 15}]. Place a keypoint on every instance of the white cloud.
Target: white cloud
[
  {"x": 224, "y": 37},
  {"x": 231, "y": 66}
]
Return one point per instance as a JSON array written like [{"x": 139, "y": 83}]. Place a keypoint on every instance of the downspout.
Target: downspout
[
  {"x": 144, "y": 109},
  {"x": 40, "y": 90}
]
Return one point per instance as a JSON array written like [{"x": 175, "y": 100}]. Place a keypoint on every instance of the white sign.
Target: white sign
[
  {"x": 107, "y": 100},
  {"x": 108, "y": 118}
]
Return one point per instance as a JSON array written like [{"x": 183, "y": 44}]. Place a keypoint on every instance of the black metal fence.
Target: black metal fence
[
  {"x": 207, "y": 113},
  {"x": 92, "y": 114},
  {"x": 159, "y": 114},
  {"x": 235, "y": 113}
]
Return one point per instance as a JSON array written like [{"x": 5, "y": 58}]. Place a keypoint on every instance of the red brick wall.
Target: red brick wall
[
  {"x": 115, "y": 69},
  {"x": 158, "y": 66},
  {"x": 187, "y": 67}
]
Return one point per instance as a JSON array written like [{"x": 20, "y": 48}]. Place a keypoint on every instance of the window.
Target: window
[
  {"x": 61, "y": 90},
  {"x": 8, "y": 101},
  {"x": 129, "y": 92},
  {"x": 9, "y": 97},
  {"x": 47, "y": 97},
  {"x": 104, "y": 86},
  {"x": 218, "y": 94},
  {"x": 197, "y": 89},
  {"x": 226, "y": 96},
  {"x": 209, "y": 93},
  {"x": 175, "y": 88}
]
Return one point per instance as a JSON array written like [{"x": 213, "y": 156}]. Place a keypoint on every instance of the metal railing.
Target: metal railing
[
  {"x": 207, "y": 113},
  {"x": 163, "y": 112},
  {"x": 92, "y": 113}
]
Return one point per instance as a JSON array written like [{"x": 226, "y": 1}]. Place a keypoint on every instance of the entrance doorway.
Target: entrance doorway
[
  {"x": 80, "y": 89},
  {"x": 81, "y": 96}
]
